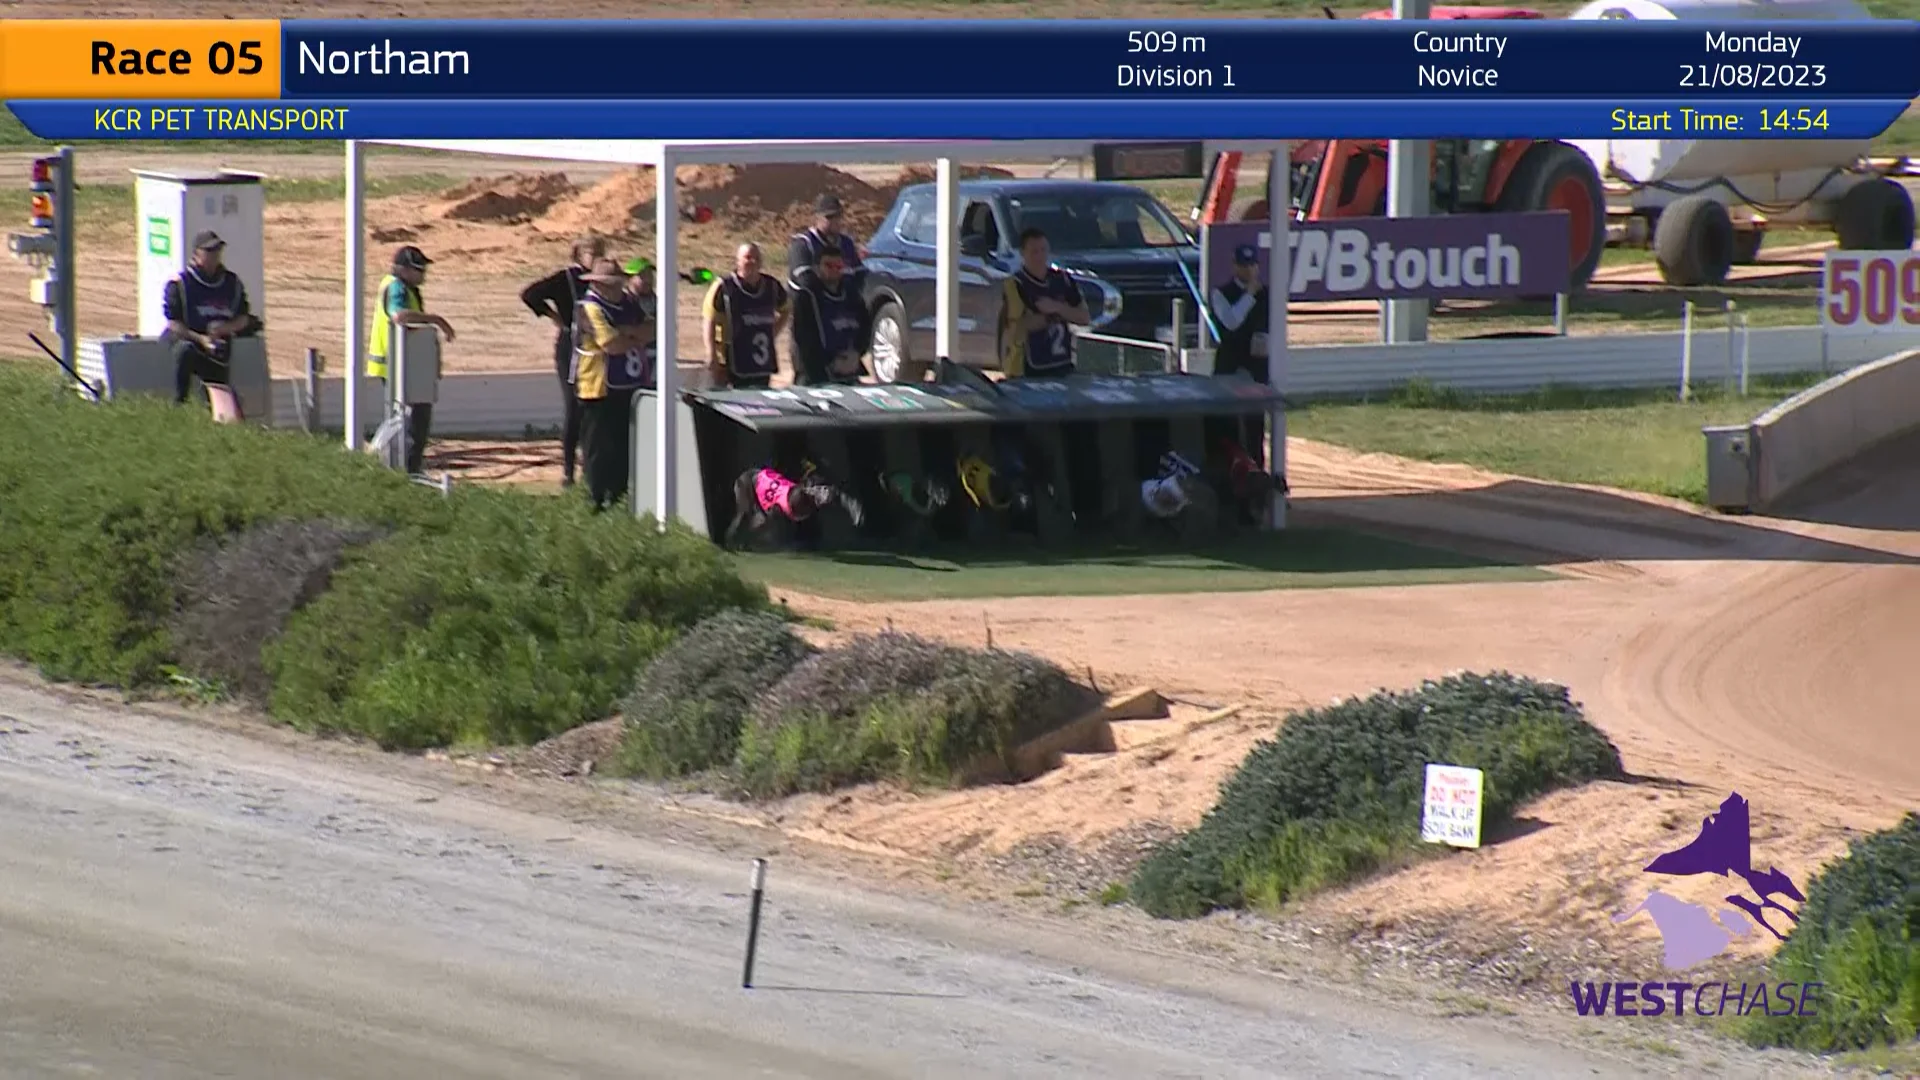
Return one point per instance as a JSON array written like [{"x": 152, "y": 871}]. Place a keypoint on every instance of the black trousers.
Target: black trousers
[
  {"x": 419, "y": 430},
  {"x": 191, "y": 362},
  {"x": 606, "y": 441},
  {"x": 570, "y": 404},
  {"x": 1237, "y": 358},
  {"x": 748, "y": 382}
]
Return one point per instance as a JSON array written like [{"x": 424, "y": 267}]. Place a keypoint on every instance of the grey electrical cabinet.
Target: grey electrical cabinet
[{"x": 1730, "y": 468}]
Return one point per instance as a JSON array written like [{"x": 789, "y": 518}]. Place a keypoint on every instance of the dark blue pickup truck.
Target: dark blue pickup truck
[{"x": 1125, "y": 249}]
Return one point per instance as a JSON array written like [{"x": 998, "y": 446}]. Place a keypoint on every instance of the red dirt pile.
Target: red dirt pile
[
  {"x": 510, "y": 200},
  {"x": 774, "y": 201},
  {"x": 924, "y": 174}
]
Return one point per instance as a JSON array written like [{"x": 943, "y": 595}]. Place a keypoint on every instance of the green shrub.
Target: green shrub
[
  {"x": 1336, "y": 795},
  {"x": 1858, "y": 936},
  {"x": 491, "y": 615},
  {"x": 528, "y": 619},
  {"x": 900, "y": 707},
  {"x": 686, "y": 713}
]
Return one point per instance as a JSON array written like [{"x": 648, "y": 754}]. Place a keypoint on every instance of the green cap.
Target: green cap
[
  {"x": 700, "y": 275},
  {"x": 637, "y": 266}
]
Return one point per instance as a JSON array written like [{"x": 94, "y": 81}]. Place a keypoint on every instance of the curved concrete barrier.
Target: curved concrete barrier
[{"x": 1826, "y": 425}]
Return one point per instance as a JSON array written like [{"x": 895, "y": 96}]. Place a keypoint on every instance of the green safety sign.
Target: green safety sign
[{"x": 159, "y": 236}]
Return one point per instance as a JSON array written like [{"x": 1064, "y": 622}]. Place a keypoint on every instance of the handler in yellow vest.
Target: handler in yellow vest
[{"x": 401, "y": 305}]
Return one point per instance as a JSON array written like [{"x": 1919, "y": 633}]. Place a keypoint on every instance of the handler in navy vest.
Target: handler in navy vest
[
  {"x": 206, "y": 308},
  {"x": 744, "y": 314},
  {"x": 553, "y": 297},
  {"x": 831, "y": 326},
  {"x": 1240, "y": 311},
  {"x": 805, "y": 249},
  {"x": 612, "y": 360},
  {"x": 1039, "y": 306}
]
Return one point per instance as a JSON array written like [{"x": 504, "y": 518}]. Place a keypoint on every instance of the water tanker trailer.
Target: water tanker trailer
[{"x": 1704, "y": 205}]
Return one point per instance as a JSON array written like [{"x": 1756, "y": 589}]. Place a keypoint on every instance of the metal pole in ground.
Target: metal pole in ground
[
  {"x": 1560, "y": 314},
  {"x": 65, "y": 304},
  {"x": 666, "y": 476},
  {"x": 1179, "y": 353},
  {"x": 397, "y": 394},
  {"x": 753, "y": 921},
  {"x": 1733, "y": 330},
  {"x": 1279, "y": 290},
  {"x": 310, "y": 415},
  {"x": 1686, "y": 351},
  {"x": 1746, "y": 351}
]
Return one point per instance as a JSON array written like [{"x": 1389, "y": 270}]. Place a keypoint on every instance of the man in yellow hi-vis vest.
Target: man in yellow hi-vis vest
[{"x": 401, "y": 305}]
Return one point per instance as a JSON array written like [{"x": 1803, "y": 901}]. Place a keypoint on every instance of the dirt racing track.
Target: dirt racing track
[{"x": 1765, "y": 656}]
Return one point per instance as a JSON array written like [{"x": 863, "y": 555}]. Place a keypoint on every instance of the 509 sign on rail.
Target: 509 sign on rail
[{"x": 1870, "y": 292}]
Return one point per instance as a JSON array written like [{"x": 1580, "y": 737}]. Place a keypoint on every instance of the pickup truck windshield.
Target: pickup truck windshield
[{"x": 1097, "y": 221}]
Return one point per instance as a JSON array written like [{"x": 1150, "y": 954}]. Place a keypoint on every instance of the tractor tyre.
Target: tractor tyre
[
  {"x": 1555, "y": 176},
  {"x": 1693, "y": 242},
  {"x": 1875, "y": 214}
]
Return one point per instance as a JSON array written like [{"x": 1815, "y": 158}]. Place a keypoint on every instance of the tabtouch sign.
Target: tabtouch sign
[{"x": 1463, "y": 256}]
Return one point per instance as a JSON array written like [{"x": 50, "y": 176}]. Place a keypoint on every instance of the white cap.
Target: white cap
[{"x": 1163, "y": 498}]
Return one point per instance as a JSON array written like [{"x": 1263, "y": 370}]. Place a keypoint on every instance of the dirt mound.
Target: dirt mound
[
  {"x": 785, "y": 193},
  {"x": 508, "y": 199},
  {"x": 237, "y": 595},
  {"x": 578, "y": 752},
  {"x": 614, "y": 205},
  {"x": 925, "y": 174},
  {"x": 773, "y": 201}
]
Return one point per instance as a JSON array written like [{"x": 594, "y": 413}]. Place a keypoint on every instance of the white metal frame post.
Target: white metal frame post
[
  {"x": 946, "y": 302},
  {"x": 666, "y": 364},
  {"x": 354, "y": 340},
  {"x": 1279, "y": 291},
  {"x": 1409, "y": 191},
  {"x": 1205, "y": 299}
]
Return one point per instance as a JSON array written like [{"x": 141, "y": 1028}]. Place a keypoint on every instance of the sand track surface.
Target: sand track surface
[{"x": 1721, "y": 654}]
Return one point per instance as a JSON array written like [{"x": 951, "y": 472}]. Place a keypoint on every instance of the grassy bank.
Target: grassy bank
[
  {"x": 746, "y": 707},
  {"x": 143, "y": 547},
  {"x": 1857, "y": 938},
  {"x": 1639, "y": 440}
]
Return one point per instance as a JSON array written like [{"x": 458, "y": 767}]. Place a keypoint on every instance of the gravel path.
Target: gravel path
[{"x": 182, "y": 901}]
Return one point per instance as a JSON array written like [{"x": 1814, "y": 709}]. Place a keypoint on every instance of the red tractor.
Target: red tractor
[{"x": 1336, "y": 178}]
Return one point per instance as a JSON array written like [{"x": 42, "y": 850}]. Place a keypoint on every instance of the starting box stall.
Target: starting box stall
[{"x": 1083, "y": 443}]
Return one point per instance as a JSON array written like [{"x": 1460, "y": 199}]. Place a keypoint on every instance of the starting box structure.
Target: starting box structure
[{"x": 1082, "y": 445}]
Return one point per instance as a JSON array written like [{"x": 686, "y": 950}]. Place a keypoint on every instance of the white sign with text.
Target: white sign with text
[{"x": 1450, "y": 811}]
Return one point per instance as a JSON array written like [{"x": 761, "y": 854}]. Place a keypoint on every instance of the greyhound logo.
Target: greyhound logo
[{"x": 1724, "y": 846}]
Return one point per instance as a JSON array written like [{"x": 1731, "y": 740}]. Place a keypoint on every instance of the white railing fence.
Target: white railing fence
[{"x": 522, "y": 404}]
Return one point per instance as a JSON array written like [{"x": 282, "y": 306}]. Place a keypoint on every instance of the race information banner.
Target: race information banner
[
  {"x": 1081, "y": 59},
  {"x": 1870, "y": 292},
  {"x": 698, "y": 119},
  {"x": 1115, "y": 79}
]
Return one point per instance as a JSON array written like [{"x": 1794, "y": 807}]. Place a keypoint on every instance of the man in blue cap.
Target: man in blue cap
[{"x": 1240, "y": 313}]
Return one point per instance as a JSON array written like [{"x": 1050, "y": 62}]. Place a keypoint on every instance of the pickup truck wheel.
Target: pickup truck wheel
[{"x": 892, "y": 361}]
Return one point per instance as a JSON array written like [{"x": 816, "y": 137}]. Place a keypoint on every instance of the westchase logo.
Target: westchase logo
[{"x": 1693, "y": 934}]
